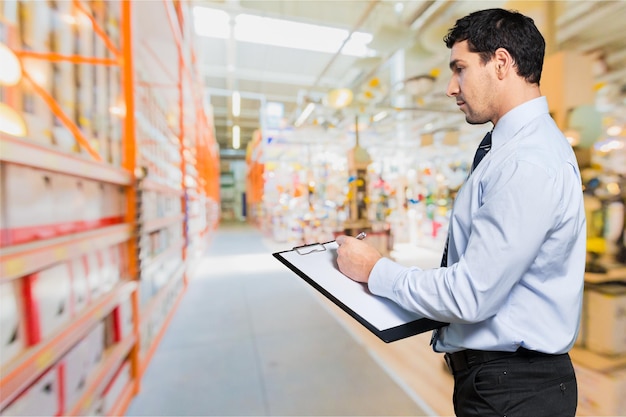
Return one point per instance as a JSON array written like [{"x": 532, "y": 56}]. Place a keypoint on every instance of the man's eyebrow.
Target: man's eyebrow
[{"x": 453, "y": 63}]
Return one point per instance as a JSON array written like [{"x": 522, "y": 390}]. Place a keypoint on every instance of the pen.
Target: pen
[{"x": 361, "y": 236}]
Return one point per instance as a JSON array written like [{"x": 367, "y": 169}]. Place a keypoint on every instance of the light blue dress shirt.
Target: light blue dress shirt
[{"x": 517, "y": 249}]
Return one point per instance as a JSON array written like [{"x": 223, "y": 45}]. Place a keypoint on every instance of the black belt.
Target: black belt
[{"x": 465, "y": 359}]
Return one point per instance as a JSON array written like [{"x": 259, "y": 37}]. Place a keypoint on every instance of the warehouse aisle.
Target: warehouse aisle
[{"x": 250, "y": 338}]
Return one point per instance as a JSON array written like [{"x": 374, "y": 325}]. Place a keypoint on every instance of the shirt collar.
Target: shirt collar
[{"x": 517, "y": 118}]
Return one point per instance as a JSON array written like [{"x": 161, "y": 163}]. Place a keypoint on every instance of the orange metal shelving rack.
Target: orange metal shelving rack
[{"x": 21, "y": 259}]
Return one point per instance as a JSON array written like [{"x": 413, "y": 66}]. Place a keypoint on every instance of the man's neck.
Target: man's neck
[{"x": 516, "y": 94}]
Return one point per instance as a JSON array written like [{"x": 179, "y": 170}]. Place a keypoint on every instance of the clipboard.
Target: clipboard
[{"x": 317, "y": 265}]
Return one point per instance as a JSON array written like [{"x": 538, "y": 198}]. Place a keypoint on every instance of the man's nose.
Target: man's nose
[{"x": 453, "y": 88}]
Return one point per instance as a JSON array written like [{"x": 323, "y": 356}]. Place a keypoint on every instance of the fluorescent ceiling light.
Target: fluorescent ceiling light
[
  {"x": 305, "y": 114},
  {"x": 379, "y": 116},
  {"x": 280, "y": 32},
  {"x": 236, "y": 103},
  {"x": 236, "y": 137}
]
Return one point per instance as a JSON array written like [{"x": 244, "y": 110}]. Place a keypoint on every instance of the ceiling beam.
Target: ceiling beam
[
  {"x": 248, "y": 74},
  {"x": 253, "y": 95},
  {"x": 242, "y": 124},
  {"x": 600, "y": 12}
]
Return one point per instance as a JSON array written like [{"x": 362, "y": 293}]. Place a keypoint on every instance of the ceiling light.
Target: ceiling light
[
  {"x": 11, "y": 122},
  {"x": 118, "y": 110},
  {"x": 236, "y": 103},
  {"x": 420, "y": 84},
  {"x": 216, "y": 23},
  {"x": 212, "y": 23},
  {"x": 290, "y": 34},
  {"x": 339, "y": 98},
  {"x": 305, "y": 114},
  {"x": 11, "y": 68},
  {"x": 236, "y": 137},
  {"x": 614, "y": 130},
  {"x": 379, "y": 116}
]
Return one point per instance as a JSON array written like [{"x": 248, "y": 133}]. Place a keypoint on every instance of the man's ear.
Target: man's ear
[{"x": 503, "y": 62}]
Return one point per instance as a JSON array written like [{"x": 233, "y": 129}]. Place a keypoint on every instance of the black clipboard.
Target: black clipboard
[{"x": 316, "y": 264}]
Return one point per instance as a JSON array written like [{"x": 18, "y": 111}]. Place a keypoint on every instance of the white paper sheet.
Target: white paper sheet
[{"x": 321, "y": 267}]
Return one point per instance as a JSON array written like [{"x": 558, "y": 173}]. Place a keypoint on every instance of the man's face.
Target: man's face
[{"x": 472, "y": 84}]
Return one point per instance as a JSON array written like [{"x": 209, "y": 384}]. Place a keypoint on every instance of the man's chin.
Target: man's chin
[{"x": 474, "y": 121}]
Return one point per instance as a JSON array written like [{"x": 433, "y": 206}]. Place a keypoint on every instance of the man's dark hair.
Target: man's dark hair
[{"x": 488, "y": 30}]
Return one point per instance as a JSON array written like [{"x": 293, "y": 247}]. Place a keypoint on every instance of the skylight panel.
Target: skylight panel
[
  {"x": 212, "y": 23},
  {"x": 280, "y": 32}
]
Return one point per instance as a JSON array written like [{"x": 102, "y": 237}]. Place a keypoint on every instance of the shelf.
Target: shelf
[
  {"x": 163, "y": 148},
  {"x": 617, "y": 274},
  {"x": 597, "y": 362},
  {"x": 160, "y": 223},
  {"x": 154, "y": 261},
  {"x": 146, "y": 359},
  {"x": 151, "y": 185},
  {"x": 27, "y": 367},
  {"x": 122, "y": 403},
  {"x": 21, "y": 152},
  {"x": 146, "y": 312},
  {"x": 113, "y": 359},
  {"x": 20, "y": 260}
]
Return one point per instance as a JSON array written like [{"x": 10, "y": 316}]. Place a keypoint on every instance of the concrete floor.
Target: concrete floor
[{"x": 251, "y": 338}]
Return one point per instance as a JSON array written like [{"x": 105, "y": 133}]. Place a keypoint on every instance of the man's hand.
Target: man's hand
[{"x": 356, "y": 258}]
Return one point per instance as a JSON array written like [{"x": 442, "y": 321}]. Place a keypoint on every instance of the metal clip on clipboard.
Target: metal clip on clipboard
[{"x": 310, "y": 248}]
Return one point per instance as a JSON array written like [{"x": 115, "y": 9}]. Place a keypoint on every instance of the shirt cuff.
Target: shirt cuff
[{"x": 383, "y": 278}]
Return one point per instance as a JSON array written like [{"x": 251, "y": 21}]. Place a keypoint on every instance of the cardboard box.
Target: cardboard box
[
  {"x": 80, "y": 286},
  {"x": 12, "y": 332},
  {"x": 124, "y": 259},
  {"x": 34, "y": 20},
  {"x": 28, "y": 202},
  {"x": 606, "y": 325},
  {"x": 109, "y": 271},
  {"x": 42, "y": 398},
  {"x": 101, "y": 115},
  {"x": 96, "y": 408},
  {"x": 62, "y": 18},
  {"x": 601, "y": 393},
  {"x": 69, "y": 203},
  {"x": 64, "y": 92},
  {"x": 95, "y": 341},
  {"x": 76, "y": 369},
  {"x": 84, "y": 81},
  {"x": 114, "y": 390},
  {"x": 94, "y": 275},
  {"x": 47, "y": 298},
  {"x": 116, "y": 112},
  {"x": 113, "y": 204},
  {"x": 36, "y": 112},
  {"x": 122, "y": 321},
  {"x": 92, "y": 197}
]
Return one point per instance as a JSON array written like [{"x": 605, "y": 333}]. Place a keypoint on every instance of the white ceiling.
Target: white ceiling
[{"x": 293, "y": 77}]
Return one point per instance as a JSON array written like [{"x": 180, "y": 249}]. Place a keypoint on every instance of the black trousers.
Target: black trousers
[{"x": 518, "y": 385}]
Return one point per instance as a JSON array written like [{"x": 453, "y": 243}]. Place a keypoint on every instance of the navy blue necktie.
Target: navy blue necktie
[{"x": 483, "y": 149}]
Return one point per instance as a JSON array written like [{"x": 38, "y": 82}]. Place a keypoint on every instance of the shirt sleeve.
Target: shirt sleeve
[{"x": 519, "y": 205}]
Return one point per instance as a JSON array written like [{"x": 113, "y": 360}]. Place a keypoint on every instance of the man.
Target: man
[{"x": 511, "y": 281}]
